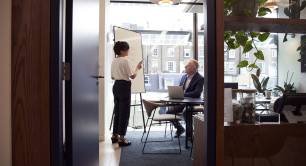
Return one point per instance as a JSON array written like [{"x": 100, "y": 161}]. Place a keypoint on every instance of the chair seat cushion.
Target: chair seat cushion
[{"x": 167, "y": 117}]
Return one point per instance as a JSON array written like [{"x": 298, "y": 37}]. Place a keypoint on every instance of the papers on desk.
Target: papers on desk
[{"x": 228, "y": 105}]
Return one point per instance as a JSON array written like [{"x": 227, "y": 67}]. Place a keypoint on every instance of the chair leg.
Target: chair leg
[
  {"x": 144, "y": 130},
  {"x": 191, "y": 149},
  {"x": 179, "y": 143},
  {"x": 144, "y": 145},
  {"x": 171, "y": 131},
  {"x": 166, "y": 130}
]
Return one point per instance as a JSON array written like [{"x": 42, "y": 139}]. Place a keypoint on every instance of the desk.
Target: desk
[
  {"x": 188, "y": 102},
  {"x": 264, "y": 144}
]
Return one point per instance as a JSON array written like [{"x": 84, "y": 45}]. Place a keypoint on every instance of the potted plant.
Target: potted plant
[
  {"x": 261, "y": 86},
  {"x": 288, "y": 86}
]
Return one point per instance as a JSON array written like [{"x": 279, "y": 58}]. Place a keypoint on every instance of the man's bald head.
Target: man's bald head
[{"x": 191, "y": 67}]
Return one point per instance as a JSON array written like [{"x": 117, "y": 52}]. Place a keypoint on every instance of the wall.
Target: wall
[
  {"x": 102, "y": 50},
  {"x": 5, "y": 82},
  {"x": 287, "y": 60}
]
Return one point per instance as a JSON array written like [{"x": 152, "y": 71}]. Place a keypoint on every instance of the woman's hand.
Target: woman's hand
[{"x": 139, "y": 66}]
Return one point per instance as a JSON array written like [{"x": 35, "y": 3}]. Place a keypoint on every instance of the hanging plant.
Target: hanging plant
[{"x": 246, "y": 40}]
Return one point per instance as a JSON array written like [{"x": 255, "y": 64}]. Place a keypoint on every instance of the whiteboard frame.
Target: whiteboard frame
[{"x": 114, "y": 40}]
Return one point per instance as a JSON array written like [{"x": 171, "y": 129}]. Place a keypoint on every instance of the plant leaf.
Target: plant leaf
[
  {"x": 264, "y": 11},
  {"x": 303, "y": 5},
  {"x": 299, "y": 48},
  {"x": 248, "y": 46},
  {"x": 259, "y": 55},
  {"x": 227, "y": 35},
  {"x": 263, "y": 36},
  {"x": 258, "y": 72},
  {"x": 287, "y": 12},
  {"x": 256, "y": 83},
  {"x": 254, "y": 34},
  {"x": 265, "y": 83},
  {"x": 262, "y": 1},
  {"x": 253, "y": 66},
  {"x": 241, "y": 38},
  {"x": 243, "y": 63}
]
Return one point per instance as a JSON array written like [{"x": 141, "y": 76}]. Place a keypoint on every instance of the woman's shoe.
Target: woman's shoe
[
  {"x": 124, "y": 142},
  {"x": 114, "y": 139}
]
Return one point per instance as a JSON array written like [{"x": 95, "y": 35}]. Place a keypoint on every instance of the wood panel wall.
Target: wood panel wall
[{"x": 30, "y": 82}]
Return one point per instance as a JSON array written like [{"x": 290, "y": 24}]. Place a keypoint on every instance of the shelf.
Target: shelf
[{"x": 279, "y": 25}]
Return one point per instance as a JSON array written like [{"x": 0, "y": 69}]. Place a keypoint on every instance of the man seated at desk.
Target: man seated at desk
[{"x": 192, "y": 83}]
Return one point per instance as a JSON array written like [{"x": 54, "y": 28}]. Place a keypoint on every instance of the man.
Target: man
[{"x": 192, "y": 83}]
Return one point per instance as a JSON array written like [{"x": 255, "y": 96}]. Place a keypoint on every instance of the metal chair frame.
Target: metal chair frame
[{"x": 148, "y": 132}]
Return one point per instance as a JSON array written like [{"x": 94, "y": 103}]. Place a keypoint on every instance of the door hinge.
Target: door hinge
[{"x": 66, "y": 71}]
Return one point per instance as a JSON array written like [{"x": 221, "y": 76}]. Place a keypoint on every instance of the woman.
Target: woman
[{"x": 122, "y": 73}]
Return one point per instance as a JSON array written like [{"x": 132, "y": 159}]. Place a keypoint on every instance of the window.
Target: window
[
  {"x": 168, "y": 82},
  {"x": 170, "y": 52},
  {"x": 171, "y": 66},
  {"x": 147, "y": 80},
  {"x": 187, "y": 53},
  {"x": 274, "y": 53},
  {"x": 247, "y": 55},
  {"x": 232, "y": 54},
  {"x": 155, "y": 52},
  {"x": 261, "y": 65},
  {"x": 154, "y": 63},
  {"x": 201, "y": 52}
]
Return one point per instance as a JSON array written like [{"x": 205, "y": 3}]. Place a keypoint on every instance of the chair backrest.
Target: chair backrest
[{"x": 149, "y": 107}]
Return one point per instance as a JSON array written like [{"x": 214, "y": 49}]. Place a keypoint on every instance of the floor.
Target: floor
[{"x": 110, "y": 153}]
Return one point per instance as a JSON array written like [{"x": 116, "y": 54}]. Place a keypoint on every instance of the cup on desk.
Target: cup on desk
[{"x": 268, "y": 94}]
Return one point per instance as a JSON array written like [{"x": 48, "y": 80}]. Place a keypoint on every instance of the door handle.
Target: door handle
[{"x": 97, "y": 76}]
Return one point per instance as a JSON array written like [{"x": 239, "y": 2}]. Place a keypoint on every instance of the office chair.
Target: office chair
[{"x": 150, "y": 108}]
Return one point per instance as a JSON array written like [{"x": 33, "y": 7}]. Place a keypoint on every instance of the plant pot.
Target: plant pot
[
  {"x": 245, "y": 8},
  {"x": 248, "y": 114}
]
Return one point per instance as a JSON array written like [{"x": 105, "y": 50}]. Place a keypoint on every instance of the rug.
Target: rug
[{"x": 133, "y": 156}]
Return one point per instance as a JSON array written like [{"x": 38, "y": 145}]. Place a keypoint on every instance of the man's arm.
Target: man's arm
[{"x": 197, "y": 91}]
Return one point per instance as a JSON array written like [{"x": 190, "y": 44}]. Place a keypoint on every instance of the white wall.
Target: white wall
[
  {"x": 5, "y": 82},
  {"x": 102, "y": 51},
  {"x": 288, "y": 56},
  {"x": 287, "y": 61}
]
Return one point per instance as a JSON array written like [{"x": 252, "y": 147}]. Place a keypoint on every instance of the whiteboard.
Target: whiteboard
[{"x": 135, "y": 55}]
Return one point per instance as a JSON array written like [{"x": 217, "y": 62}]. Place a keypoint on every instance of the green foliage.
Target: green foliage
[
  {"x": 264, "y": 11},
  {"x": 247, "y": 41},
  {"x": 243, "y": 63},
  {"x": 294, "y": 10},
  {"x": 288, "y": 86},
  {"x": 261, "y": 86}
]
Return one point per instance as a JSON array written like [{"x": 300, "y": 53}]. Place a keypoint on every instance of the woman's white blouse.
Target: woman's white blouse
[{"x": 121, "y": 69}]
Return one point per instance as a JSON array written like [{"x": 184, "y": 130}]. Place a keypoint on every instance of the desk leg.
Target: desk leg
[{"x": 188, "y": 124}]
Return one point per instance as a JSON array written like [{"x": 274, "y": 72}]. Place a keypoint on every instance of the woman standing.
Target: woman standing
[{"x": 122, "y": 73}]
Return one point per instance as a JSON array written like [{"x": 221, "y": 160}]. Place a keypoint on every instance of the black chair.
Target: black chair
[
  {"x": 294, "y": 99},
  {"x": 150, "y": 108}
]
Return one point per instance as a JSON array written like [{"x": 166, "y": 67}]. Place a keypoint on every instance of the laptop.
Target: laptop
[{"x": 176, "y": 92}]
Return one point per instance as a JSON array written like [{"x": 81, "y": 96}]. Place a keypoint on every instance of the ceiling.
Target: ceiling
[{"x": 192, "y": 6}]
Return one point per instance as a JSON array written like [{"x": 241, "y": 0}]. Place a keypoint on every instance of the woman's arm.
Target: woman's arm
[{"x": 138, "y": 67}]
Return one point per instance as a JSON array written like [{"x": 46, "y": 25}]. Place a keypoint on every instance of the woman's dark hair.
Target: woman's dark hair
[{"x": 121, "y": 46}]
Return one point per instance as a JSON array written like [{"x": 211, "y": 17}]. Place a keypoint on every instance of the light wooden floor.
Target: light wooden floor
[{"x": 109, "y": 153}]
